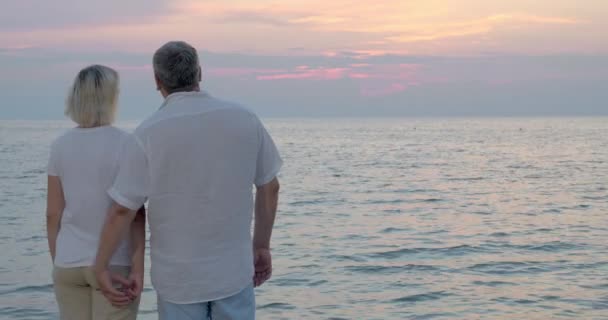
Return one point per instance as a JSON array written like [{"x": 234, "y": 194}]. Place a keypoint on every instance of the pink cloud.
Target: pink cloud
[
  {"x": 239, "y": 72},
  {"x": 373, "y": 80},
  {"x": 307, "y": 73},
  {"x": 358, "y": 75},
  {"x": 360, "y": 65}
]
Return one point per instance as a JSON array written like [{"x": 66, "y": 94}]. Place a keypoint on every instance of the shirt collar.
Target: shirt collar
[{"x": 175, "y": 95}]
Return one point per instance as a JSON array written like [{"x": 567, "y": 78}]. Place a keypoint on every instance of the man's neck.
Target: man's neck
[{"x": 165, "y": 93}]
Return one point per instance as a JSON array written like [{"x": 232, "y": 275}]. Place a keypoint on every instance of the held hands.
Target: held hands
[
  {"x": 117, "y": 289},
  {"x": 262, "y": 261},
  {"x": 136, "y": 279}
]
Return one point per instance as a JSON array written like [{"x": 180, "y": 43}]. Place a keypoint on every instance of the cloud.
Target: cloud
[
  {"x": 475, "y": 27},
  {"x": 309, "y": 27},
  {"x": 239, "y": 72},
  {"x": 28, "y": 15},
  {"x": 251, "y": 17},
  {"x": 318, "y": 85},
  {"x": 305, "y": 72},
  {"x": 372, "y": 80}
]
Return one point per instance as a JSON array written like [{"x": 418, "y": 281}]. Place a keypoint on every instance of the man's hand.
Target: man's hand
[
  {"x": 262, "y": 261},
  {"x": 136, "y": 281},
  {"x": 106, "y": 282}
]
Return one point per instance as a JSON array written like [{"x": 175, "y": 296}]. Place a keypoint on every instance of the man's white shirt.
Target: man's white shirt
[{"x": 196, "y": 161}]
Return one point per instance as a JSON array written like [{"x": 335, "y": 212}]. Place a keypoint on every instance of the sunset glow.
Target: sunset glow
[{"x": 357, "y": 49}]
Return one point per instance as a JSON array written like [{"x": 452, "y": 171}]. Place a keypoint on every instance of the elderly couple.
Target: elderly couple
[{"x": 195, "y": 161}]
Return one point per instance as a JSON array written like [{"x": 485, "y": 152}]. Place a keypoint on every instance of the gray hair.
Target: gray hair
[
  {"x": 92, "y": 99},
  {"x": 176, "y": 66}
]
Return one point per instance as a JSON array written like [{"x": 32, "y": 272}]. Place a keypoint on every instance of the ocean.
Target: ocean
[{"x": 476, "y": 218}]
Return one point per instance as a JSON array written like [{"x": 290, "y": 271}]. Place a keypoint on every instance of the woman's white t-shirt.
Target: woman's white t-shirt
[{"x": 86, "y": 162}]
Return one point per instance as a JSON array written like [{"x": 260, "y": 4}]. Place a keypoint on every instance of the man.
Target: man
[{"x": 195, "y": 161}]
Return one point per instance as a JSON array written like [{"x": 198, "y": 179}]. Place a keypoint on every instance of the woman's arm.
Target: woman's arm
[
  {"x": 55, "y": 203},
  {"x": 138, "y": 241}
]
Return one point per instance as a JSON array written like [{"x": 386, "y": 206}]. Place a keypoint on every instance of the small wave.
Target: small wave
[
  {"x": 493, "y": 283},
  {"x": 40, "y": 288},
  {"x": 278, "y": 305},
  {"x": 592, "y": 265},
  {"x": 317, "y": 283},
  {"x": 482, "y": 213},
  {"x": 26, "y": 313},
  {"x": 509, "y": 267},
  {"x": 465, "y": 179},
  {"x": 448, "y": 251},
  {"x": 499, "y": 234},
  {"x": 392, "y": 230},
  {"x": 521, "y": 166},
  {"x": 392, "y": 211},
  {"x": 422, "y": 297},
  {"x": 375, "y": 269},
  {"x": 303, "y": 203},
  {"x": 290, "y": 282},
  {"x": 33, "y": 238},
  {"x": 554, "y": 210},
  {"x": 393, "y": 201},
  {"x": 601, "y": 286},
  {"x": 510, "y": 301},
  {"x": 414, "y": 190},
  {"x": 595, "y": 198},
  {"x": 349, "y": 258},
  {"x": 435, "y": 315},
  {"x": 553, "y": 246},
  {"x": 358, "y": 237},
  {"x": 35, "y": 171}
]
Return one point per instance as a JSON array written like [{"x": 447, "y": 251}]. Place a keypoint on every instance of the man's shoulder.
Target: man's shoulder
[
  {"x": 117, "y": 132},
  {"x": 209, "y": 102},
  {"x": 228, "y": 105},
  {"x": 147, "y": 123}
]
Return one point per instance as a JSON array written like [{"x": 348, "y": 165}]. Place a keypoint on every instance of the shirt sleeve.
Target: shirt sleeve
[
  {"x": 130, "y": 188},
  {"x": 53, "y": 164},
  {"x": 269, "y": 161}
]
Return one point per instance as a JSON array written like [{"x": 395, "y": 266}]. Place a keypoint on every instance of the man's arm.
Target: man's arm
[
  {"x": 138, "y": 242},
  {"x": 266, "y": 201},
  {"x": 55, "y": 203},
  {"x": 118, "y": 220}
]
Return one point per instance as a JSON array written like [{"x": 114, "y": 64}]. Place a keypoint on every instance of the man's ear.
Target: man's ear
[{"x": 157, "y": 80}]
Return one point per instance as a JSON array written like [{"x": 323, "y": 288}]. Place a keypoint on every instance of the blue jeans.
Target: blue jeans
[{"x": 240, "y": 306}]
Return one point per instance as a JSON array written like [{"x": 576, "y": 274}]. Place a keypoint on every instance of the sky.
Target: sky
[{"x": 313, "y": 58}]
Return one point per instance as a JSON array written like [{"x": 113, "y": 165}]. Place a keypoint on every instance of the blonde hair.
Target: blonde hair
[{"x": 93, "y": 98}]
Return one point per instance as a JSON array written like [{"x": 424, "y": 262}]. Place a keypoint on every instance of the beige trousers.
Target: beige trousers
[{"x": 79, "y": 297}]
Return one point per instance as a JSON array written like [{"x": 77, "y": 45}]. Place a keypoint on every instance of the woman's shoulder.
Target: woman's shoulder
[{"x": 62, "y": 138}]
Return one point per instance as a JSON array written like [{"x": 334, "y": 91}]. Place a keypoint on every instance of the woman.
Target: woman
[{"x": 82, "y": 166}]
